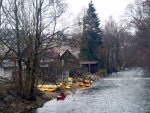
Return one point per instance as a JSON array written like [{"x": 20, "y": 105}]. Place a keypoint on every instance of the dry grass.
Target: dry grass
[{"x": 92, "y": 76}]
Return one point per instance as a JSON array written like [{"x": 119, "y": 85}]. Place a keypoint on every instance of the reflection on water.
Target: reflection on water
[{"x": 122, "y": 92}]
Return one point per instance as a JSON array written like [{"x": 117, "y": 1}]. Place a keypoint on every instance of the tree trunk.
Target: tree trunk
[
  {"x": 36, "y": 49},
  {"x": 18, "y": 47}
]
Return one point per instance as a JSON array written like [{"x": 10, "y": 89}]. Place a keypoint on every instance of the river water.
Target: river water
[{"x": 122, "y": 92}]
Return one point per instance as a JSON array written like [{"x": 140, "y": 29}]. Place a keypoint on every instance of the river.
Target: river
[{"x": 121, "y": 92}]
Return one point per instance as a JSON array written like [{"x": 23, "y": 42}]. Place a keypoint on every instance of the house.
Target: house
[
  {"x": 89, "y": 66},
  {"x": 69, "y": 62}
]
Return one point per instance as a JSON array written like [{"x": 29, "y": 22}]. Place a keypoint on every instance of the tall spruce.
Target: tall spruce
[{"x": 92, "y": 34}]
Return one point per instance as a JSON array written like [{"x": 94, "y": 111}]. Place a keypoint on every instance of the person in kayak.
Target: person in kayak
[{"x": 62, "y": 94}]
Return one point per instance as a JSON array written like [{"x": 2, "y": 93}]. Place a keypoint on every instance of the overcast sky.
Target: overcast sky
[{"x": 105, "y": 8}]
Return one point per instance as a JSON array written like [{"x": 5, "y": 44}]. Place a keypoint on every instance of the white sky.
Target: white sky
[{"x": 104, "y": 8}]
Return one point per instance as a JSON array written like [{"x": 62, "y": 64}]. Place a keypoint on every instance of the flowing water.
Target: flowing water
[{"x": 122, "y": 92}]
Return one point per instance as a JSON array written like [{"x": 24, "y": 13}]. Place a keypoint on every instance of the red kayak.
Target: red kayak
[
  {"x": 61, "y": 97},
  {"x": 85, "y": 85}
]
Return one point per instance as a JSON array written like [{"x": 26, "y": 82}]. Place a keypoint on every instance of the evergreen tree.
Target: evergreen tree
[{"x": 92, "y": 33}]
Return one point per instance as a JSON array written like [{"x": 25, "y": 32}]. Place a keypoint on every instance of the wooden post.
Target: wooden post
[{"x": 89, "y": 68}]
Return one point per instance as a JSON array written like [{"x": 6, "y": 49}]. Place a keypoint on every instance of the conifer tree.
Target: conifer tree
[{"x": 91, "y": 35}]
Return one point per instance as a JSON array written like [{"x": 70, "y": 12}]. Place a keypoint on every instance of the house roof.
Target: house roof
[
  {"x": 67, "y": 51},
  {"x": 89, "y": 62},
  {"x": 74, "y": 51}
]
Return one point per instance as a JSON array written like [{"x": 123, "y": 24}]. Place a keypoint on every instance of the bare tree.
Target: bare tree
[
  {"x": 138, "y": 14},
  {"x": 117, "y": 46},
  {"x": 111, "y": 44},
  {"x": 32, "y": 28}
]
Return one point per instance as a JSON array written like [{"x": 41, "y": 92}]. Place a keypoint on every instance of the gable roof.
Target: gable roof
[
  {"x": 67, "y": 51},
  {"x": 62, "y": 49}
]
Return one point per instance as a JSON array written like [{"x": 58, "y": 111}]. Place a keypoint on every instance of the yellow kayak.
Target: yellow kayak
[
  {"x": 65, "y": 85},
  {"x": 70, "y": 79},
  {"x": 48, "y": 86}
]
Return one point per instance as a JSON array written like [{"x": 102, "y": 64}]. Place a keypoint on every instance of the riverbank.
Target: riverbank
[{"x": 11, "y": 101}]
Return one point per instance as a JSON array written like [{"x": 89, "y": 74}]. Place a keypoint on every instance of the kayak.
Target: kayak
[
  {"x": 60, "y": 97},
  {"x": 84, "y": 85},
  {"x": 67, "y": 87},
  {"x": 70, "y": 79},
  {"x": 48, "y": 86}
]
